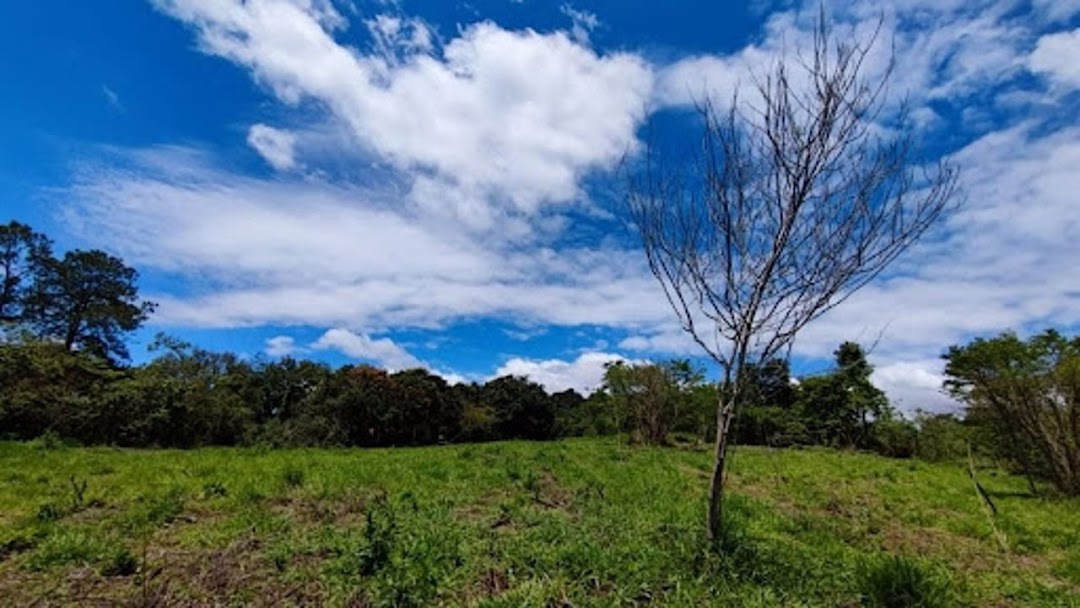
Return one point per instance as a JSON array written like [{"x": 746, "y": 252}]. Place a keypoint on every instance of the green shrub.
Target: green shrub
[
  {"x": 50, "y": 440},
  {"x": 214, "y": 489},
  {"x": 158, "y": 510},
  {"x": 942, "y": 437},
  {"x": 895, "y": 438},
  {"x": 66, "y": 546},
  {"x": 898, "y": 582},
  {"x": 50, "y": 512},
  {"x": 380, "y": 532}
]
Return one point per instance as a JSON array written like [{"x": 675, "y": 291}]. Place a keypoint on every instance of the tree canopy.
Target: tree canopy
[{"x": 1028, "y": 391}]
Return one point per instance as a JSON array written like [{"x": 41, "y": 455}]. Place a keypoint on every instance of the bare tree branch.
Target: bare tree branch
[{"x": 794, "y": 203}]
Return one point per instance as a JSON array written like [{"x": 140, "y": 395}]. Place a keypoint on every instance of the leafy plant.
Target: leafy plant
[
  {"x": 380, "y": 531},
  {"x": 50, "y": 512},
  {"x": 293, "y": 477},
  {"x": 214, "y": 489},
  {"x": 899, "y": 582}
]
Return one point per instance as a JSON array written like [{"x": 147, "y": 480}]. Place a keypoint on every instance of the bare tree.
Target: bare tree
[{"x": 796, "y": 200}]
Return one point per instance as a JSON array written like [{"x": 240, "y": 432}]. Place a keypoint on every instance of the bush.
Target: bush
[
  {"x": 941, "y": 437},
  {"x": 1025, "y": 392},
  {"x": 895, "y": 438},
  {"x": 770, "y": 425}
]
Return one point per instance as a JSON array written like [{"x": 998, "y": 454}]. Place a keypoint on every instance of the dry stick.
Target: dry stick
[{"x": 987, "y": 505}]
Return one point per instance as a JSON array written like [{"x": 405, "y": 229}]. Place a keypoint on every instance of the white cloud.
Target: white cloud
[
  {"x": 1057, "y": 10},
  {"x": 943, "y": 51},
  {"x": 274, "y": 145},
  {"x": 584, "y": 374},
  {"x": 1006, "y": 260},
  {"x": 383, "y": 352},
  {"x": 584, "y": 23},
  {"x": 914, "y": 385},
  {"x": 513, "y": 117},
  {"x": 1058, "y": 57},
  {"x": 281, "y": 346},
  {"x": 259, "y": 252}
]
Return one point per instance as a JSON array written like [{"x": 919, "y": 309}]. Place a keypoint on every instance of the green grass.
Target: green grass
[{"x": 569, "y": 523}]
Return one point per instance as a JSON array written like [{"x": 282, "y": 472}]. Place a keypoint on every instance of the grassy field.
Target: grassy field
[{"x": 570, "y": 523}]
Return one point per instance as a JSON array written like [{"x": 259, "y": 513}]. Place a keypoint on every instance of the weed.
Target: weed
[
  {"x": 78, "y": 494},
  {"x": 250, "y": 495},
  {"x": 49, "y": 512},
  {"x": 158, "y": 510},
  {"x": 380, "y": 531},
  {"x": 214, "y": 489},
  {"x": 120, "y": 563},
  {"x": 898, "y": 582},
  {"x": 49, "y": 441},
  {"x": 15, "y": 546},
  {"x": 293, "y": 477},
  {"x": 66, "y": 546}
]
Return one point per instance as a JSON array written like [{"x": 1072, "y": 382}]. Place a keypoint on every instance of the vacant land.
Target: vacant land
[{"x": 570, "y": 523}]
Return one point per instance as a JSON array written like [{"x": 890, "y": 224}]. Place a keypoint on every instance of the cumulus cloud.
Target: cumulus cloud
[
  {"x": 274, "y": 145},
  {"x": 1058, "y": 57},
  {"x": 584, "y": 374},
  {"x": 515, "y": 117},
  {"x": 383, "y": 352},
  {"x": 914, "y": 385},
  {"x": 281, "y": 346},
  {"x": 1003, "y": 260}
]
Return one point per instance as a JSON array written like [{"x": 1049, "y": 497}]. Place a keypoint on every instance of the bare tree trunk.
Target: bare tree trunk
[{"x": 725, "y": 414}]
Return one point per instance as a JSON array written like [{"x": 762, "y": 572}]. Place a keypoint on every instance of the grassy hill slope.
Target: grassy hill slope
[{"x": 570, "y": 523}]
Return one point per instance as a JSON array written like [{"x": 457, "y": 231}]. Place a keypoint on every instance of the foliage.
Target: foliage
[
  {"x": 44, "y": 388},
  {"x": 841, "y": 407},
  {"x": 22, "y": 252},
  {"x": 1028, "y": 394},
  {"x": 942, "y": 437},
  {"x": 522, "y": 408},
  {"x": 87, "y": 300},
  {"x": 897, "y": 582}
]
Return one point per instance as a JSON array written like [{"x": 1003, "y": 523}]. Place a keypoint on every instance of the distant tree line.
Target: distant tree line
[
  {"x": 189, "y": 397},
  {"x": 63, "y": 373}
]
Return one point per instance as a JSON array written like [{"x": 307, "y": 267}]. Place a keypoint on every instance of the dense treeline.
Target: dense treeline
[{"x": 189, "y": 397}]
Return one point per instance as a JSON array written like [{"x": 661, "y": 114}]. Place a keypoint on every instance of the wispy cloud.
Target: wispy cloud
[
  {"x": 112, "y": 98},
  {"x": 274, "y": 145}
]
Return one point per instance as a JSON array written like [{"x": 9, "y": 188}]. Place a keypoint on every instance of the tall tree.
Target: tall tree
[
  {"x": 841, "y": 406},
  {"x": 798, "y": 199},
  {"x": 22, "y": 251},
  {"x": 87, "y": 300},
  {"x": 1029, "y": 393}
]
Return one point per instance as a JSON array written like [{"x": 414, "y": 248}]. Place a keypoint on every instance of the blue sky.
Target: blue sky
[{"x": 430, "y": 183}]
